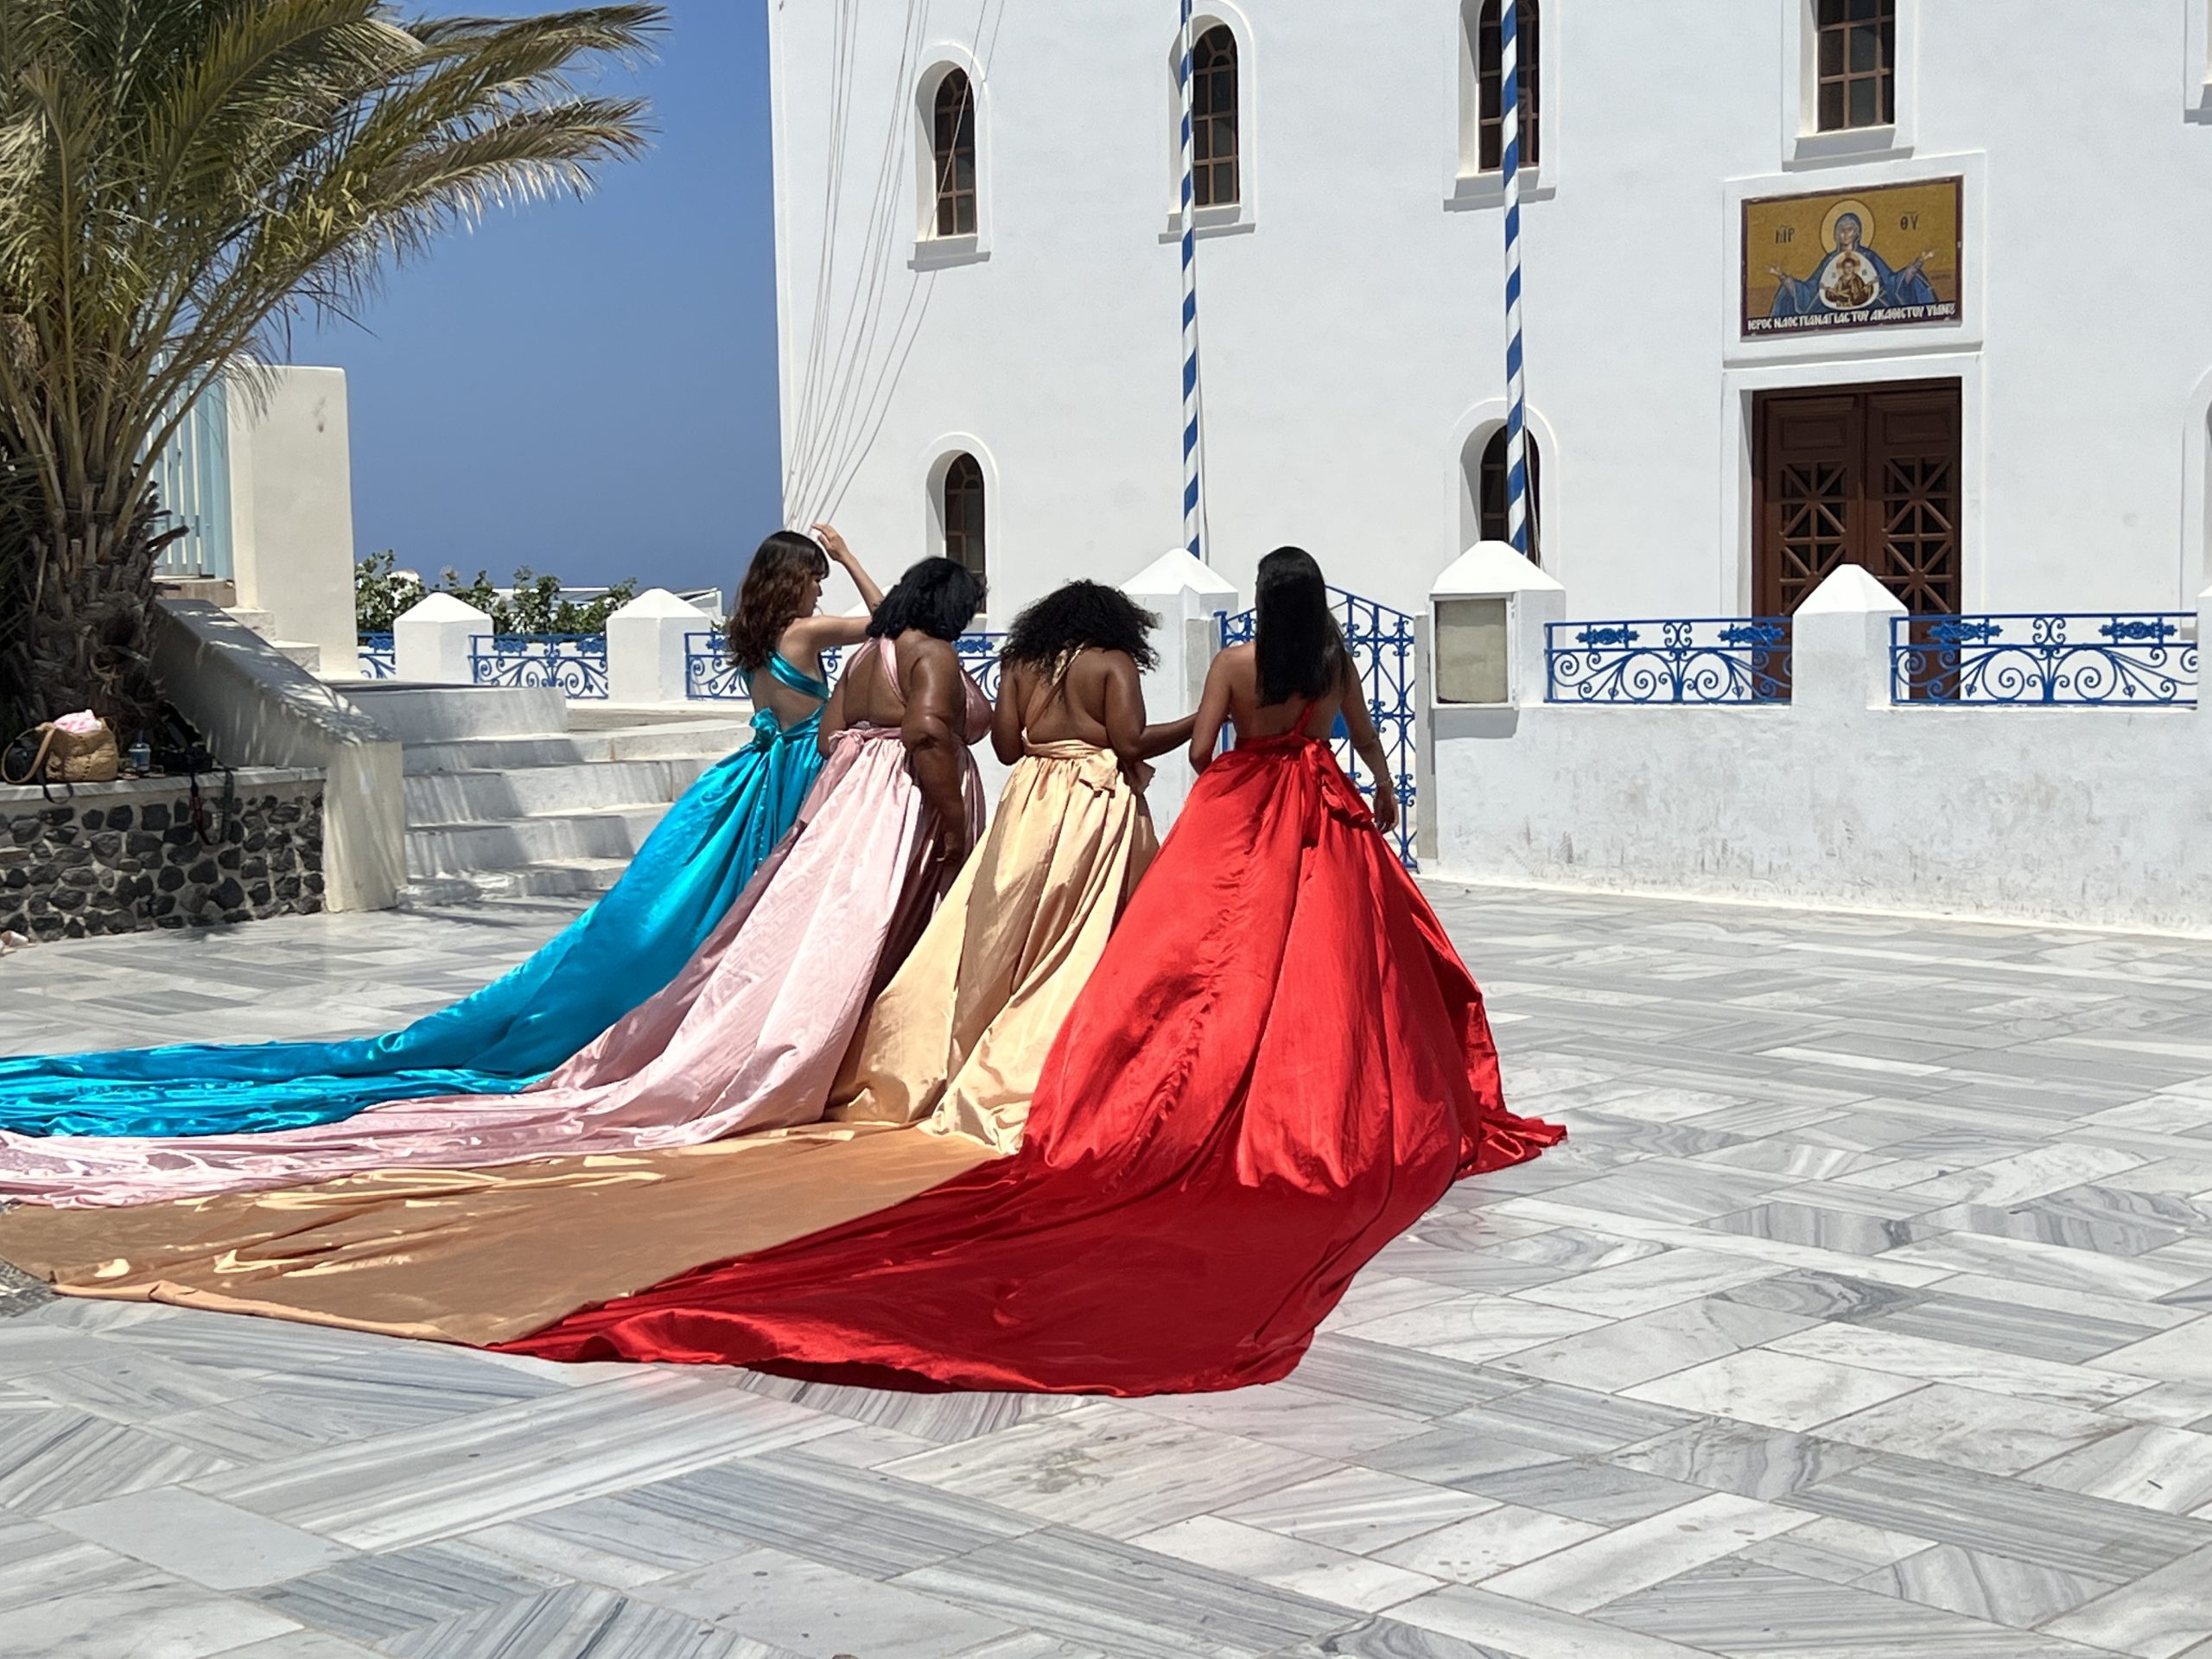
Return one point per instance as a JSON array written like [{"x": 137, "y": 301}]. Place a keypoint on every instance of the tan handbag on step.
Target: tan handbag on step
[{"x": 61, "y": 757}]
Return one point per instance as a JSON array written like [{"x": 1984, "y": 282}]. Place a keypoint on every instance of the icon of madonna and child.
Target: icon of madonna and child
[{"x": 1853, "y": 284}]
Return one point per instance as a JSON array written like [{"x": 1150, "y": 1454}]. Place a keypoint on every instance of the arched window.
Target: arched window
[
  {"x": 954, "y": 148},
  {"x": 963, "y": 512},
  {"x": 1489, "y": 115},
  {"x": 1491, "y": 492},
  {"x": 1213, "y": 119}
]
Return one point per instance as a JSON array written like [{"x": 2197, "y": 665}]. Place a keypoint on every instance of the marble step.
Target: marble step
[
  {"x": 704, "y": 740},
  {"x": 568, "y": 878},
  {"x": 441, "y": 714},
  {"x": 263, "y": 623},
  {"x": 518, "y": 844},
  {"x": 476, "y": 796}
]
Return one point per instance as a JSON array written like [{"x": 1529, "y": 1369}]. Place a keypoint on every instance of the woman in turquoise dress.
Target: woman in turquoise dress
[{"x": 612, "y": 958}]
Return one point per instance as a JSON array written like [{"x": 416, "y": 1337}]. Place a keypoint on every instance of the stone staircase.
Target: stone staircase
[
  {"x": 264, "y": 623},
  {"x": 517, "y": 792},
  {"x": 223, "y": 592}
]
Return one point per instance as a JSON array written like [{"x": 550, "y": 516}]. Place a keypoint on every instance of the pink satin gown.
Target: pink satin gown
[{"x": 748, "y": 1037}]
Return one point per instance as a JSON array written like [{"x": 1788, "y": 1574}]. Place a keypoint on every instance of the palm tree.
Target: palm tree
[{"x": 179, "y": 179}]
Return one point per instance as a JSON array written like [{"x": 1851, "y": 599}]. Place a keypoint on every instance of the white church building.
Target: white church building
[
  {"x": 980, "y": 292},
  {"x": 1868, "y": 377}
]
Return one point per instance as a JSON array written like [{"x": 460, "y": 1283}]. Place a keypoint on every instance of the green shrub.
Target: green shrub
[
  {"x": 534, "y": 606},
  {"x": 382, "y": 593}
]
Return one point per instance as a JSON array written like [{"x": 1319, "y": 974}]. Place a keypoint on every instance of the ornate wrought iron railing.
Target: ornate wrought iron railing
[
  {"x": 1689, "y": 660},
  {"x": 979, "y": 655},
  {"x": 379, "y": 661},
  {"x": 2147, "y": 659},
  {"x": 709, "y": 675},
  {"x": 573, "y": 663},
  {"x": 1384, "y": 647}
]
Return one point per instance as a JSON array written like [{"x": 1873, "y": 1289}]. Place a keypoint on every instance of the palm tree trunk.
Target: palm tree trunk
[{"x": 91, "y": 593}]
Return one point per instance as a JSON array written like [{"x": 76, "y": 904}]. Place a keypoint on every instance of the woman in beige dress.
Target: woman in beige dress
[{"x": 960, "y": 1033}]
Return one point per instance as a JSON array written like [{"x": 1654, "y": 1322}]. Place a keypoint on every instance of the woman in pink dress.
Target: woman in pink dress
[{"x": 749, "y": 1035}]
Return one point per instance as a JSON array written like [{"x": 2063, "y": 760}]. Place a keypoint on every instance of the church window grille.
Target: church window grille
[
  {"x": 1214, "y": 135},
  {"x": 954, "y": 129},
  {"x": 963, "y": 513},
  {"x": 1856, "y": 48},
  {"x": 1489, "y": 51}
]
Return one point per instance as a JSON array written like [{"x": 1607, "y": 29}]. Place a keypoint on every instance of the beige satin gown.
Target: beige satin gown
[{"x": 958, "y": 1037}]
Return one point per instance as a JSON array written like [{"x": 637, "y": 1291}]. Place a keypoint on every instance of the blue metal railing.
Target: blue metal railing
[
  {"x": 979, "y": 655},
  {"x": 1384, "y": 649},
  {"x": 379, "y": 661},
  {"x": 573, "y": 663},
  {"x": 2051, "y": 660},
  {"x": 1742, "y": 660},
  {"x": 708, "y": 674}
]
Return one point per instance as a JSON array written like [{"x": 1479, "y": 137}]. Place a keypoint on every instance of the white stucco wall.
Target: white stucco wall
[
  {"x": 292, "y": 503},
  {"x": 1352, "y": 315}
]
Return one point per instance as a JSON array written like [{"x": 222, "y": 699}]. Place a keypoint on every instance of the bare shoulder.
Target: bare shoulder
[{"x": 926, "y": 650}]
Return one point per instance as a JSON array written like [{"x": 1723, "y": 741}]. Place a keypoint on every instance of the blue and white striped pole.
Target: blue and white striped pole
[
  {"x": 1516, "y": 391},
  {"x": 1193, "y": 518}
]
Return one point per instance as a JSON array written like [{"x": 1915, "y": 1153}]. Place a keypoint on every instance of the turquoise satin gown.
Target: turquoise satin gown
[{"x": 626, "y": 947}]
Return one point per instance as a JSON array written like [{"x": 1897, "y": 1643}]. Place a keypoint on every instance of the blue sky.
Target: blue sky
[{"x": 589, "y": 388}]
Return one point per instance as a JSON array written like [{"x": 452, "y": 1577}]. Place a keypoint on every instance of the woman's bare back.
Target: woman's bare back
[
  {"x": 873, "y": 697},
  {"x": 1254, "y": 720},
  {"x": 789, "y": 705},
  {"x": 1077, "y": 709}
]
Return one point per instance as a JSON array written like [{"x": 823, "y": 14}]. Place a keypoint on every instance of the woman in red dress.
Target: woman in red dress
[{"x": 1278, "y": 1066}]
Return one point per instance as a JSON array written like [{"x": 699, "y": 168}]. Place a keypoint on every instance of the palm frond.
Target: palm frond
[{"x": 181, "y": 179}]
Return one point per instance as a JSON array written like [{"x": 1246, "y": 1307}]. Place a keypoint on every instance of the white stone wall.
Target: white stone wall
[
  {"x": 1352, "y": 311},
  {"x": 2099, "y": 815},
  {"x": 292, "y": 507}
]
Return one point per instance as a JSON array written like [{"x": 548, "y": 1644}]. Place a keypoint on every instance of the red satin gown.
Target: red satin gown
[{"x": 1279, "y": 1065}]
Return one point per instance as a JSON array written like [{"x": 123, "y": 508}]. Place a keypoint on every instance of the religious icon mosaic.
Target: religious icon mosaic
[{"x": 1876, "y": 256}]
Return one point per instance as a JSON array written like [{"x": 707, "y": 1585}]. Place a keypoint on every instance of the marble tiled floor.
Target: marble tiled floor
[{"x": 1865, "y": 1317}]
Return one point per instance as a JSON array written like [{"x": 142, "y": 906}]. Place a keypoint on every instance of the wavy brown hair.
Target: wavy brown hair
[{"x": 774, "y": 595}]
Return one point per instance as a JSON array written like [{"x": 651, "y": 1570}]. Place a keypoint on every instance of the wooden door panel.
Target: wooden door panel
[
  {"x": 1866, "y": 475},
  {"x": 1809, "y": 484},
  {"x": 1913, "y": 465}
]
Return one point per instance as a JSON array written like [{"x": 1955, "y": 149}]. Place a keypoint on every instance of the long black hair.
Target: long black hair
[
  {"x": 937, "y": 596},
  {"x": 1301, "y": 649},
  {"x": 1082, "y": 613},
  {"x": 774, "y": 595}
]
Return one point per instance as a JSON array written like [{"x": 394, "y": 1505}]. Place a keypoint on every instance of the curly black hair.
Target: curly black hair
[
  {"x": 937, "y": 596},
  {"x": 1080, "y": 613}
]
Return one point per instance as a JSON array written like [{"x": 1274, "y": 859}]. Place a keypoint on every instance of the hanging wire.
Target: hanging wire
[
  {"x": 849, "y": 388},
  {"x": 841, "y": 77},
  {"x": 864, "y": 312}
]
